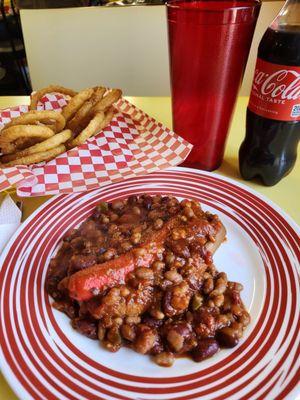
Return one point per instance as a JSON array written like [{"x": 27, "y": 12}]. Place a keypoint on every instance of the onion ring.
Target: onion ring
[
  {"x": 93, "y": 126},
  {"x": 46, "y": 145},
  {"x": 37, "y": 157},
  {"x": 35, "y": 97},
  {"x": 37, "y": 117},
  {"x": 111, "y": 97},
  {"x": 76, "y": 102},
  {"x": 82, "y": 117},
  {"x": 19, "y": 144},
  {"x": 17, "y": 136},
  {"x": 99, "y": 122}
]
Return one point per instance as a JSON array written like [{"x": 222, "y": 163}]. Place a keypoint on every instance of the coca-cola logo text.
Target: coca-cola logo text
[
  {"x": 275, "y": 91},
  {"x": 283, "y": 84}
]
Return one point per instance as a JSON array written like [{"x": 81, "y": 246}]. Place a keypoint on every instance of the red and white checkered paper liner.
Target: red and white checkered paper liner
[{"x": 133, "y": 144}]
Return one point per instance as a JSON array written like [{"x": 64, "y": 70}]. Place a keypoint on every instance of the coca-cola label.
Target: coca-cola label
[{"x": 275, "y": 92}]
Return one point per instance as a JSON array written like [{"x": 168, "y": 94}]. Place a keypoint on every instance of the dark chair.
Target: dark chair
[{"x": 14, "y": 78}]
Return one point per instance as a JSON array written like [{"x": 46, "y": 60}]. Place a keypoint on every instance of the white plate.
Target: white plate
[{"x": 42, "y": 357}]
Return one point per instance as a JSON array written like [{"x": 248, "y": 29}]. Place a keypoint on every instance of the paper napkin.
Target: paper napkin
[{"x": 10, "y": 220}]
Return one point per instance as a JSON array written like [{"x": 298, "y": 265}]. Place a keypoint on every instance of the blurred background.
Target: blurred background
[{"x": 80, "y": 43}]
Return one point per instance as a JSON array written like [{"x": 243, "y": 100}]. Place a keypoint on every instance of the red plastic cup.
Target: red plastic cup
[{"x": 209, "y": 43}]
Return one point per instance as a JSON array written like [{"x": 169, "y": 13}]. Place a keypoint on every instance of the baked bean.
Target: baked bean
[
  {"x": 244, "y": 318},
  {"x": 177, "y": 335},
  {"x": 107, "y": 321},
  {"x": 173, "y": 210},
  {"x": 101, "y": 332},
  {"x": 112, "y": 347},
  {"x": 186, "y": 203},
  {"x": 229, "y": 336},
  {"x": 197, "y": 301},
  {"x": 137, "y": 229},
  {"x": 210, "y": 303},
  {"x": 164, "y": 359},
  {"x": 158, "y": 223},
  {"x": 117, "y": 205},
  {"x": 178, "y": 233},
  {"x": 169, "y": 258},
  {"x": 206, "y": 275},
  {"x": 236, "y": 310},
  {"x": 133, "y": 320},
  {"x": 136, "y": 237},
  {"x": 112, "y": 228},
  {"x": 113, "y": 217},
  {"x": 172, "y": 202},
  {"x": 227, "y": 303},
  {"x": 105, "y": 219},
  {"x": 235, "y": 297},
  {"x": 157, "y": 314},
  {"x": 211, "y": 269},
  {"x": 204, "y": 322},
  {"x": 188, "y": 212},
  {"x": 219, "y": 290},
  {"x": 176, "y": 299},
  {"x": 238, "y": 327},
  {"x": 145, "y": 339},
  {"x": 217, "y": 300},
  {"x": 124, "y": 291},
  {"x": 128, "y": 332},
  {"x": 222, "y": 320},
  {"x": 223, "y": 276},
  {"x": 113, "y": 335},
  {"x": 158, "y": 266},
  {"x": 102, "y": 207},
  {"x": 154, "y": 214},
  {"x": 117, "y": 321},
  {"x": 235, "y": 286},
  {"x": 144, "y": 273},
  {"x": 136, "y": 210},
  {"x": 208, "y": 285},
  {"x": 173, "y": 276},
  {"x": 175, "y": 340},
  {"x": 157, "y": 198},
  {"x": 158, "y": 347},
  {"x": 206, "y": 348}
]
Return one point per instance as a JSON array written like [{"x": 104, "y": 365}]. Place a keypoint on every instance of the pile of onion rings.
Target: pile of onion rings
[{"x": 37, "y": 136}]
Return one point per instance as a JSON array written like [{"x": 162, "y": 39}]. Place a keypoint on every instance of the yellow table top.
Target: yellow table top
[{"x": 285, "y": 194}]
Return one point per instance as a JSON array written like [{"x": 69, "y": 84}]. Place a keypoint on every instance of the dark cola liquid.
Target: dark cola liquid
[{"x": 269, "y": 150}]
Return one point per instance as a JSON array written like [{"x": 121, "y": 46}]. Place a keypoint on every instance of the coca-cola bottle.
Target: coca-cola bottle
[{"x": 269, "y": 150}]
